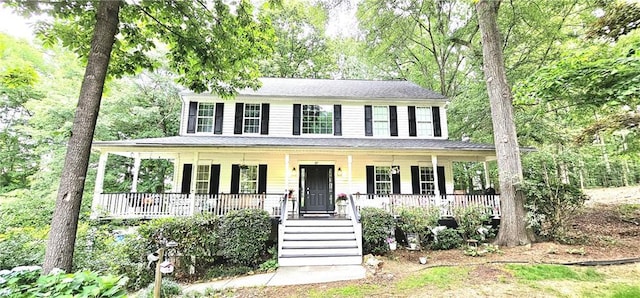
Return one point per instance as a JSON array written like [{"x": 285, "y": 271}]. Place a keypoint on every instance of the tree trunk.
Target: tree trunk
[
  {"x": 513, "y": 229},
  {"x": 62, "y": 237}
]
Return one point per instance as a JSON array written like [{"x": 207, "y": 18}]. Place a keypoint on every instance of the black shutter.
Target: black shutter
[
  {"x": 237, "y": 126},
  {"x": 415, "y": 180},
  {"x": 186, "y": 178},
  {"x": 442, "y": 183},
  {"x": 435, "y": 113},
  {"x": 337, "y": 120},
  {"x": 264, "y": 119},
  {"x": 368, "y": 121},
  {"x": 371, "y": 180},
  {"x": 214, "y": 180},
  {"x": 412, "y": 121},
  {"x": 193, "y": 115},
  {"x": 262, "y": 179},
  {"x": 296, "y": 119},
  {"x": 395, "y": 182},
  {"x": 393, "y": 120},
  {"x": 235, "y": 178},
  {"x": 219, "y": 115}
]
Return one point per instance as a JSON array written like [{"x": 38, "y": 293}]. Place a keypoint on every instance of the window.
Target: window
[
  {"x": 427, "y": 183},
  {"x": 205, "y": 117},
  {"x": 317, "y": 119},
  {"x": 424, "y": 124},
  {"x": 202, "y": 178},
  {"x": 380, "y": 121},
  {"x": 251, "y": 118},
  {"x": 248, "y": 179},
  {"x": 383, "y": 180}
]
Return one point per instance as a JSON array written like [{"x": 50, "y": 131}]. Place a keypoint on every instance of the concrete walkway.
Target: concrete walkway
[{"x": 285, "y": 276}]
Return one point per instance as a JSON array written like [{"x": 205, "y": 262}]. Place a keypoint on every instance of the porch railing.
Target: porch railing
[
  {"x": 447, "y": 203},
  {"x": 155, "y": 205}
]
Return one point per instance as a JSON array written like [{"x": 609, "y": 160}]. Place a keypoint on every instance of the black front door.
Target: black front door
[{"x": 316, "y": 185}]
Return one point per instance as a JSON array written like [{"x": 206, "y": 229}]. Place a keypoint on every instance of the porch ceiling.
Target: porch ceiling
[{"x": 398, "y": 145}]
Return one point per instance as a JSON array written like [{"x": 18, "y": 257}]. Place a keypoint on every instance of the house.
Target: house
[{"x": 291, "y": 147}]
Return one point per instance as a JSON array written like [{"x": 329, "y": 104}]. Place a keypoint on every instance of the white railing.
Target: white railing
[
  {"x": 155, "y": 205},
  {"x": 447, "y": 203}
]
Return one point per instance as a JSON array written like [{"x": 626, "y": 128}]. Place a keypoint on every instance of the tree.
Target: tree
[
  {"x": 513, "y": 229},
  {"x": 210, "y": 47}
]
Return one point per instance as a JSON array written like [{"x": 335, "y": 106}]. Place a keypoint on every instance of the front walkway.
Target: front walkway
[{"x": 285, "y": 276}]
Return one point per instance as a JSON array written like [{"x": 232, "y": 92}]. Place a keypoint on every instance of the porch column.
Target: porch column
[
  {"x": 98, "y": 189},
  {"x": 192, "y": 187},
  {"x": 176, "y": 168},
  {"x": 136, "y": 172},
  {"x": 287, "y": 173},
  {"x": 487, "y": 180},
  {"x": 434, "y": 162},
  {"x": 349, "y": 173}
]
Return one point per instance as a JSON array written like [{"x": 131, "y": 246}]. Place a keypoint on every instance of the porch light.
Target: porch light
[{"x": 294, "y": 171}]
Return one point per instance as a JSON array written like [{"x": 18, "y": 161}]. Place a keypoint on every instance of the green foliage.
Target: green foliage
[
  {"x": 440, "y": 277},
  {"x": 243, "y": 236},
  {"x": 553, "y": 272},
  {"x": 377, "y": 226},
  {"x": 447, "y": 239},
  {"x": 223, "y": 270},
  {"x": 418, "y": 220},
  {"x": 626, "y": 291},
  {"x": 470, "y": 219},
  {"x": 22, "y": 246},
  {"x": 479, "y": 251},
  {"x": 29, "y": 283},
  {"x": 168, "y": 288},
  {"x": 21, "y": 209}
]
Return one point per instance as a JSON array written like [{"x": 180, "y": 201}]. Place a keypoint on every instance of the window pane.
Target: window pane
[
  {"x": 251, "y": 118},
  {"x": 424, "y": 126},
  {"x": 317, "y": 119},
  {"x": 205, "y": 117},
  {"x": 383, "y": 180},
  {"x": 380, "y": 121},
  {"x": 249, "y": 179},
  {"x": 427, "y": 185},
  {"x": 202, "y": 178}
]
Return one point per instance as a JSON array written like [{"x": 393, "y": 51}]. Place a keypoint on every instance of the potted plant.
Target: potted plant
[
  {"x": 413, "y": 241},
  {"x": 393, "y": 245},
  {"x": 341, "y": 204}
]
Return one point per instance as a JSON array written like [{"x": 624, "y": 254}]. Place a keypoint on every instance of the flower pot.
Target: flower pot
[
  {"x": 393, "y": 246},
  {"x": 423, "y": 260},
  {"x": 413, "y": 245}
]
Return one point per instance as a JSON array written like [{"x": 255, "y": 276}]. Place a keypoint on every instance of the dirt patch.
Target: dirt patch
[{"x": 618, "y": 195}]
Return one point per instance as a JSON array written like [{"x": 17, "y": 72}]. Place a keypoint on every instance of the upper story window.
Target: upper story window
[
  {"x": 249, "y": 179},
  {"x": 381, "y": 121},
  {"x": 251, "y": 118},
  {"x": 317, "y": 119},
  {"x": 383, "y": 180},
  {"x": 427, "y": 181},
  {"x": 424, "y": 122},
  {"x": 202, "y": 178},
  {"x": 205, "y": 117}
]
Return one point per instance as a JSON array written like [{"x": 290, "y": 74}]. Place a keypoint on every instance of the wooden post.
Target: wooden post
[{"x": 158, "y": 281}]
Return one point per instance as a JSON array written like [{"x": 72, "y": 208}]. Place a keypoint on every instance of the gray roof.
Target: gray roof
[
  {"x": 300, "y": 142},
  {"x": 356, "y": 89}
]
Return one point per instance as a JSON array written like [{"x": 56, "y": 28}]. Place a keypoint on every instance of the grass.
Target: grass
[
  {"x": 553, "y": 272},
  {"x": 346, "y": 291},
  {"x": 440, "y": 277}
]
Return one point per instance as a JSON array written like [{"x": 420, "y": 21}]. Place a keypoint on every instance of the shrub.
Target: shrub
[
  {"x": 243, "y": 236},
  {"x": 419, "y": 220},
  {"x": 377, "y": 225},
  {"x": 447, "y": 239},
  {"x": 168, "y": 288},
  {"x": 27, "y": 282},
  {"x": 469, "y": 220},
  {"x": 22, "y": 246}
]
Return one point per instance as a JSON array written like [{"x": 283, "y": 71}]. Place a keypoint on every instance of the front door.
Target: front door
[{"x": 316, "y": 185}]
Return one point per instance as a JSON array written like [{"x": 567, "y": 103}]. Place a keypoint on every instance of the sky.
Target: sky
[{"x": 15, "y": 25}]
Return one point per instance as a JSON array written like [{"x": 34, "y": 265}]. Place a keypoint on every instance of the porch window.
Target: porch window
[
  {"x": 249, "y": 179},
  {"x": 424, "y": 123},
  {"x": 251, "y": 118},
  {"x": 205, "y": 117},
  {"x": 427, "y": 181},
  {"x": 381, "y": 121},
  {"x": 317, "y": 119},
  {"x": 202, "y": 178},
  {"x": 383, "y": 180}
]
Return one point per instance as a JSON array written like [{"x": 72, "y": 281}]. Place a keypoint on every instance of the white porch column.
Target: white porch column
[
  {"x": 487, "y": 181},
  {"x": 349, "y": 173},
  {"x": 192, "y": 187},
  {"x": 98, "y": 189},
  {"x": 434, "y": 162},
  {"x": 136, "y": 172},
  {"x": 176, "y": 171},
  {"x": 287, "y": 173}
]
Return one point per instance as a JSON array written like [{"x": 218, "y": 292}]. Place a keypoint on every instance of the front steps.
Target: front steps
[{"x": 319, "y": 242}]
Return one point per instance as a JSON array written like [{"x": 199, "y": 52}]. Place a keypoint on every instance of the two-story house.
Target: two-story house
[{"x": 383, "y": 143}]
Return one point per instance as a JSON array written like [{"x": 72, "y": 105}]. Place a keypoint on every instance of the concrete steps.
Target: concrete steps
[{"x": 317, "y": 242}]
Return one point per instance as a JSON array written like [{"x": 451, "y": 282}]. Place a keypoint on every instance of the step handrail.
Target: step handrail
[{"x": 355, "y": 221}]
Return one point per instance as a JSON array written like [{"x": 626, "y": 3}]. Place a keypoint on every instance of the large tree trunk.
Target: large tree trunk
[
  {"x": 513, "y": 229},
  {"x": 62, "y": 237}
]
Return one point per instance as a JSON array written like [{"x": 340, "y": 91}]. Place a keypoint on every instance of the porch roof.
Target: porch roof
[{"x": 300, "y": 142}]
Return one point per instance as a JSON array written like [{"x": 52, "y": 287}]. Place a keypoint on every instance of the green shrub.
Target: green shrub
[
  {"x": 419, "y": 220},
  {"x": 168, "y": 288},
  {"x": 447, "y": 239},
  {"x": 243, "y": 236},
  {"x": 377, "y": 226},
  {"x": 22, "y": 246},
  {"x": 470, "y": 219},
  {"x": 27, "y": 282},
  {"x": 226, "y": 271}
]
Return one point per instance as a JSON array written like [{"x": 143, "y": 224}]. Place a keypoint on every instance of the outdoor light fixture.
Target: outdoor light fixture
[
  {"x": 340, "y": 171},
  {"x": 294, "y": 171}
]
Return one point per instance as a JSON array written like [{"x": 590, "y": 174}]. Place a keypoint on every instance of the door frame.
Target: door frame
[{"x": 330, "y": 204}]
